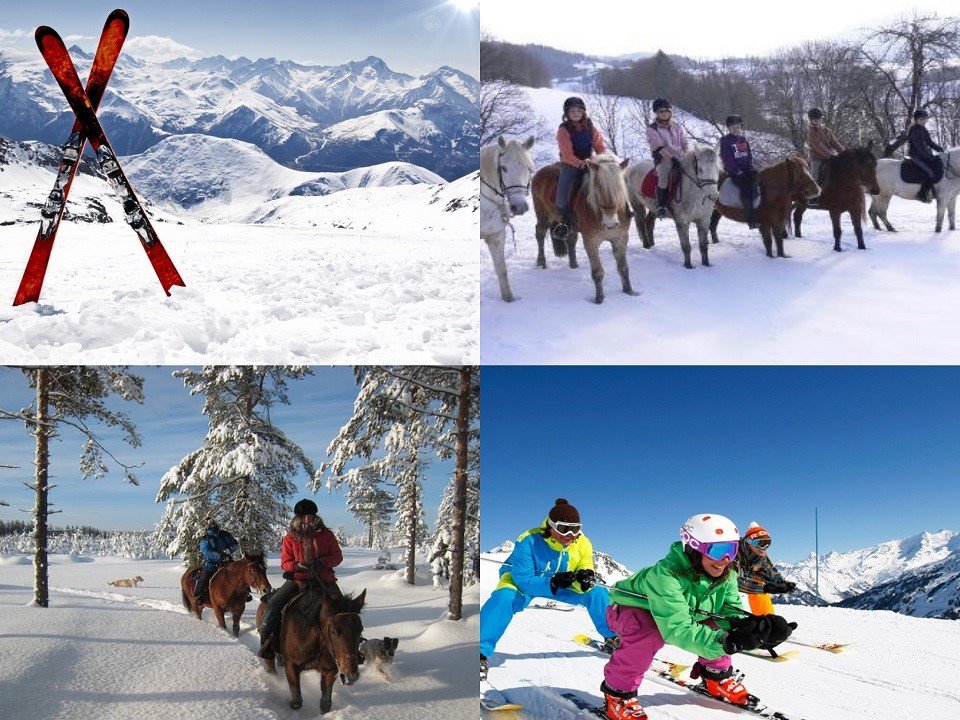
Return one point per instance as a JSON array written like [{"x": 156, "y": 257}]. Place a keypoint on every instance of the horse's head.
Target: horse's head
[
  {"x": 706, "y": 169},
  {"x": 605, "y": 188},
  {"x": 514, "y": 170},
  {"x": 865, "y": 163},
  {"x": 255, "y": 572},
  {"x": 343, "y": 628},
  {"x": 801, "y": 182}
]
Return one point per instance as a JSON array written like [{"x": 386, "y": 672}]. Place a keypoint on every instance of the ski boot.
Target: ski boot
[
  {"x": 71, "y": 149},
  {"x": 108, "y": 163},
  {"x": 51, "y": 208},
  {"x": 721, "y": 684},
  {"x": 621, "y": 705},
  {"x": 484, "y": 667},
  {"x": 661, "y": 203},
  {"x": 610, "y": 644}
]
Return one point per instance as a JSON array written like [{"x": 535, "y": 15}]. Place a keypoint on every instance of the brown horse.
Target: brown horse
[
  {"x": 600, "y": 212},
  {"x": 229, "y": 589},
  {"x": 779, "y": 184},
  {"x": 847, "y": 173},
  {"x": 322, "y": 631}
]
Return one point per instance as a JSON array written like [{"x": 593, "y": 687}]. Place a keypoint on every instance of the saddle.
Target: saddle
[
  {"x": 649, "y": 185},
  {"x": 912, "y": 171},
  {"x": 730, "y": 195}
]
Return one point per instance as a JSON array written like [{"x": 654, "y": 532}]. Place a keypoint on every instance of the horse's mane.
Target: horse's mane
[
  {"x": 488, "y": 163},
  {"x": 607, "y": 178}
]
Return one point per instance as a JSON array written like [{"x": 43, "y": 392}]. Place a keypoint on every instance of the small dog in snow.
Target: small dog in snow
[
  {"x": 380, "y": 652},
  {"x": 132, "y": 582}
]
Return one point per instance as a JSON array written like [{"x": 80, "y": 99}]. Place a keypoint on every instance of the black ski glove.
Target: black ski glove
[
  {"x": 754, "y": 631},
  {"x": 780, "y": 630},
  {"x": 562, "y": 580},
  {"x": 586, "y": 578}
]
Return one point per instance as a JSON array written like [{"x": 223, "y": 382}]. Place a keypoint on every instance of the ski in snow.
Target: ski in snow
[
  {"x": 58, "y": 60},
  {"x": 834, "y": 648},
  {"x": 764, "y": 655},
  {"x": 673, "y": 672},
  {"x": 584, "y": 705},
  {"x": 492, "y": 700},
  {"x": 111, "y": 41}
]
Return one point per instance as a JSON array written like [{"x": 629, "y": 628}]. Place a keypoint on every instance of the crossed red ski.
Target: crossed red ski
[
  {"x": 111, "y": 41},
  {"x": 58, "y": 60}
]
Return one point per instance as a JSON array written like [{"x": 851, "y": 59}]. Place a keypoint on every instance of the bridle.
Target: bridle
[
  {"x": 504, "y": 189},
  {"x": 326, "y": 635},
  {"x": 700, "y": 182}
]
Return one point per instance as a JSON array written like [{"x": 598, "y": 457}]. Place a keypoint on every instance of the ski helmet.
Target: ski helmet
[
  {"x": 573, "y": 102},
  {"x": 734, "y": 120},
  {"x": 661, "y": 104},
  {"x": 305, "y": 507},
  {"x": 921, "y": 113},
  {"x": 815, "y": 113},
  {"x": 712, "y": 535}
]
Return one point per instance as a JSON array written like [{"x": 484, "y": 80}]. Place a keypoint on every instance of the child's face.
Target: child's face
[
  {"x": 922, "y": 120},
  {"x": 575, "y": 114},
  {"x": 714, "y": 568},
  {"x": 735, "y": 129},
  {"x": 817, "y": 121},
  {"x": 664, "y": 114}
]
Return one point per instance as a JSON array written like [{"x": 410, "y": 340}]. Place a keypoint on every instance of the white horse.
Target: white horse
[
  {"x": 696, "y": 198},
  {"x": 888, "y": 175},
  {"x": 505, "y": 172}
]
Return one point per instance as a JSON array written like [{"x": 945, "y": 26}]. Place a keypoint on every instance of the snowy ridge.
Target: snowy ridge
[
  {"x": 316, "y": 118},
  {"x": 844, "y": 575},
  {"x": 929, "y": 591}
]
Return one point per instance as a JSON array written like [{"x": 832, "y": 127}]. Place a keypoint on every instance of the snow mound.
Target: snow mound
[{"x": 15, "y": 560}]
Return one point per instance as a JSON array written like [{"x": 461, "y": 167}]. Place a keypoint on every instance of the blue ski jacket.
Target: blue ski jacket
[{"x": 214, "y": 544}]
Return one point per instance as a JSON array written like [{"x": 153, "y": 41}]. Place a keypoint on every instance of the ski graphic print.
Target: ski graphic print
[
  {"x": 58, "y": 60},
  {"x": 111, "y": 41}
]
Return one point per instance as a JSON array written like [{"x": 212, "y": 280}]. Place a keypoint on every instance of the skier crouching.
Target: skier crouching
[
  {"x": 554, "y": 560},
  {"x": 663, "y": 604},
  {"x": 757, "y": 577}
]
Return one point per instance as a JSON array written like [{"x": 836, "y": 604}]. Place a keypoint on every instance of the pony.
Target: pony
[
  {"x": 321, "y": 630},
  {"x": 694, "y": 201},
  {"x": 848, "y": 173},
  {"x": 779, "y": 184},
  {"x": 600, "y": 212},
  {"x": 888, "y": 178},
  {"x": 505, "y": 170},
  {"x": 229, "y": 589}
]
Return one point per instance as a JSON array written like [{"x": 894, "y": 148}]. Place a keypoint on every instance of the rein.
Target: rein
[{"x": 700, "y": 182}]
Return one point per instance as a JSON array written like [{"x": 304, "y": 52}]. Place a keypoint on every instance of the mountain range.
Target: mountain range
[{"x": 312, "y": 118}]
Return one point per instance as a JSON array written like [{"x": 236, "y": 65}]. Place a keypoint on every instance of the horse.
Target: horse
[
  {"x": 322, "y": 631},
  {"x": 229, "y": 589},
  {"x": 888, "y": 177},
  {"x": 600, "y": 212},
  {"x": 505, "y": 170},
  {"x": 848, "y": 173},
  {"x": 779, "y": 184},
  {"x": 694, "y": 202}
]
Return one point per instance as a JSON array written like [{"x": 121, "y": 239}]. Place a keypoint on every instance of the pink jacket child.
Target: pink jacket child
[{"x": 666, "y": 142}]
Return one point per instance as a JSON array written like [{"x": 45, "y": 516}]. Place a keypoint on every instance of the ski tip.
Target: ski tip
[{"x": 118, "y": 14}]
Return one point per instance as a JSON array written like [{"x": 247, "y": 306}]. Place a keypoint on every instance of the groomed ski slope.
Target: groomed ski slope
[
  {"x": 122, "y": 653},
  {"x": 897, "y": 667}
]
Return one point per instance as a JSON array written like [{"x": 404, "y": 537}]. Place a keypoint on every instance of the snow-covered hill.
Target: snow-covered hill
[
  {"x": 845, "y": 575},
  {"x": 117, "y": 653},
  {"x": 893, "y": 667},
  {"x": 608, "y": 570},
  {"x": 317, "y": 118}
]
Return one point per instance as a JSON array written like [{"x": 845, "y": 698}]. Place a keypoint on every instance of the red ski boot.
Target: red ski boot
[
  {"x": 721, "y": 684},
  {"x": 621, "y": 705}
]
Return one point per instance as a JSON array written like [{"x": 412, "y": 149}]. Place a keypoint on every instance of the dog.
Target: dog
[
  {"x": 132, "y": 582},
  {"x": 380, "y": 652}
]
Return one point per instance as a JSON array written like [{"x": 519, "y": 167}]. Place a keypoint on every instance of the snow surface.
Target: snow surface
[
  {"x": 134, "y": 652},
  {"x": 897, "y": 666},
  {"x": 896, "y": 302}
]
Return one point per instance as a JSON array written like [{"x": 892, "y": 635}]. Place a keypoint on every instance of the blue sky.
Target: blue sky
[
  {"x": 413, "y": 36},
  {"x": 172, "y": 426},
  {"x": 638, "y": 450}
]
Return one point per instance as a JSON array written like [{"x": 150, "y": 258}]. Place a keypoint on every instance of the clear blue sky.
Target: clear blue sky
[
  {"x": 638, "y": 450},
  {"x": 172, "y": 426},
  {"x": 413, "y": 36}
]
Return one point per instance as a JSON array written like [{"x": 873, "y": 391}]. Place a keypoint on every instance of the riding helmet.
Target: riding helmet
[
  {"x": 305, "y": 507},
  {"x": 734, "y": 120},
  {"x": 573, "y": 102},
  {"x": 661, "y": 104},
  {"x": 921, "y": 113},
  {"x": 815, "y": 113}
]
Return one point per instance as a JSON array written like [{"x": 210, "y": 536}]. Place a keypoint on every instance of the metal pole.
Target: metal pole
[{"x": 816, "y": 533}]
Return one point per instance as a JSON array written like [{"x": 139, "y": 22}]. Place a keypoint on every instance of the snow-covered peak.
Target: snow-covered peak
[{"x": 505, "y": 547}]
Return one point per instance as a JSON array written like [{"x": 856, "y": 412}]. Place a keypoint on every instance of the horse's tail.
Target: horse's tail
[
  {"x": 186, "y": 600},
  {"x": 559, "y": 247}
]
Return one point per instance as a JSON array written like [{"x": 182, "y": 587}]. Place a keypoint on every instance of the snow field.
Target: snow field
[
  {"x": 117, "y": 653},
  {"x": 897, "y": 666}
]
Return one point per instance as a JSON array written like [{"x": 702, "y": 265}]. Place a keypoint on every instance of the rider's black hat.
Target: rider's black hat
[
  {"x": 572, "y": 102},
  {"x": 815, "y": 113},
  {"x": 305, "y": 507},
  {"x": 734, "y": 120},
  {"x": 921, "y": 113}
]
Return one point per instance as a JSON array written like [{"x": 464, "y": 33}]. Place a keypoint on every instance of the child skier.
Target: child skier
[
  {"x": 757, "y": 578},
  {"x": 663, "y": 604},
  {"x": 554, "y": 560}
]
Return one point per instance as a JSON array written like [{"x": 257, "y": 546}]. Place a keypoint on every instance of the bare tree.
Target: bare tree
[
  {"x": 505, "y": 110},
  {"x": 609, "y": 113}
]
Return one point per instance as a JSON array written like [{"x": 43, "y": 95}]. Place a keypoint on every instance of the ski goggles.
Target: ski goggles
[
  {"x": 566, "y": 529},
  {"x": 762, "y": 542},
  {"x": 717, "y": 551}
]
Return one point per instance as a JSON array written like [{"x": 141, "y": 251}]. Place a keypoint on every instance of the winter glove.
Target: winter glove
[
  {"x": 586, "y": 578},
  {"x": 562, "y": 580},
  {"x": 777, "y": 588},
  {"x": 754, "y": 631},
  {"x": 288, "y": 575},
  {"x": 780, "y": 630}
]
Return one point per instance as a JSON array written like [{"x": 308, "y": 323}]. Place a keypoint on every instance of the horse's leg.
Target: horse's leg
[
  {"x": 767, "y": 236},
  {"x": 292, "y": 670},
  {"x": 798, "y": 219},
  {"x": 648, "y": 226},
  {"x": 572, "y": 246},
  {"x": 495, "y": 246},
  {"x": 592, "y": 247},
  {"x": 835, "y": 219},
  {"x": 236, "y": 621},
  {"x": 541, "y": 233},
  {"x": 327, "y": 679},
  {"x": 952, "y": 211},
  {"x": 872, "y": 212},
  {"x": 941, "y": 210},
  {"x": 620, "y": 255},
  {"x": 683, "y": 230},
  {"x": 882, "y": 203},
  {"x": 703, "y": 230},
  {"x": 221, "y": 621},
  {"x": 780, "y": 234},
  {"x": 714, "y": 222},
  {"x": 857, "y": 222}
]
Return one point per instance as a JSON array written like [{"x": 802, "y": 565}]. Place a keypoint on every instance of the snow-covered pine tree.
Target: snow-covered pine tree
[
  {"x": 73, "y": 396},
  {"x": 367, "y": 500},
  {"x": 445, "y": 402},
  {"x": 243, "y": 473}
]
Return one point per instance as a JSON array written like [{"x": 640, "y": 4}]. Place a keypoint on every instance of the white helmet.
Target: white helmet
[{"x": 704, "y": 529}]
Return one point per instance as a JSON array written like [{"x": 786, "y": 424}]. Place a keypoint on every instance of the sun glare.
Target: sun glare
[{"x": 465, "y": 5}]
